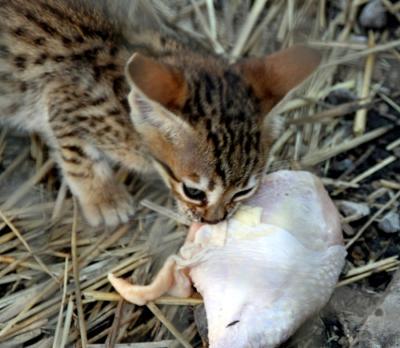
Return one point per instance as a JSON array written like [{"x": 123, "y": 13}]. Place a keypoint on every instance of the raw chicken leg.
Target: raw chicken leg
[{"x": 262, "y": 272}]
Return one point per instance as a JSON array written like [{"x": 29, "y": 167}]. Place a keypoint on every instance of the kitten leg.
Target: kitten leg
[
  {"x": 86, "y": 170},
  {"x": 91, "y": 181},
  {"x": 100, "y": 197}
]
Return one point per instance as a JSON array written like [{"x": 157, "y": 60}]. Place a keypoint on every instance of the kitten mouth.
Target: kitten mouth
[{"x": 213, "y": 222}]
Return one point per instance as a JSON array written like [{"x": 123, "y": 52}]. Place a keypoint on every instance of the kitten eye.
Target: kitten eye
[
  {"x": 194, "y": 193},
  {"x": 242, "y": 193}
]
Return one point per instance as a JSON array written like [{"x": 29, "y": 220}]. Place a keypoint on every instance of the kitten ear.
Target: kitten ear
[
  {"x": 159, "y": 82},
  {"x": 156, "y": 91},
  {"x": 273, "y": 76}
]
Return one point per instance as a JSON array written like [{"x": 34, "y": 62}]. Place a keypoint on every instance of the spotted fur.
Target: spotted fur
[{"x": 199, "y": 121}]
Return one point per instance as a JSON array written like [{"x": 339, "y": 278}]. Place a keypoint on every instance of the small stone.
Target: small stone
[
  {"x": 361, "y": 39},
  {"x": 352, "y": 208},
  {"x": 343, "y": 165},
  {"x": 373, "y": 15},
  {"x": 341, "y": 95},
  {"x": 383, "y": 108},
  {"x": 390, "y": 223}
]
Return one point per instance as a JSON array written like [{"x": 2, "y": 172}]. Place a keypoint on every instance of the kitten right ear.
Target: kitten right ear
[
  {"x": 157, "y": 81},
  {"x": 273, "y": 76}
]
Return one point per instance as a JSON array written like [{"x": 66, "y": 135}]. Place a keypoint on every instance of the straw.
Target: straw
[{"x": 53, "y": 265}]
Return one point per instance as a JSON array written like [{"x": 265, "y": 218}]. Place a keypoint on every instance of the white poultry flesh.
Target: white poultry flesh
[{"x": 264, "y": 271}]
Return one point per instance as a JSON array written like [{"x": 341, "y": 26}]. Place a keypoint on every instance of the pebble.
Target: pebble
[
  {"x": 352, "y": 208},
  {"x": 341, "y": 166},
  {"x": 373, "y": 15},
  {"x": 341, "y": 95},
  {"x": 390, "y": 223},
  {"x": 361, "y": 39}
]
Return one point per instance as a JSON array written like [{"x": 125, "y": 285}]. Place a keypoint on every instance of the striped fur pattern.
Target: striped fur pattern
[{"x": 191, "y": 116}]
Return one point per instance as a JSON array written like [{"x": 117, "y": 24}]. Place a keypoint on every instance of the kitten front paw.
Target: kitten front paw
[{"x": 110, "y": 204}]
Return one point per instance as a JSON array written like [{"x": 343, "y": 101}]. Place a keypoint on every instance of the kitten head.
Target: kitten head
[{"x": 206, "y": 125}]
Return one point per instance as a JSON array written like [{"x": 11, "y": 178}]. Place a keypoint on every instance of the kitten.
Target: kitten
[{"x": 66, "y": 73}]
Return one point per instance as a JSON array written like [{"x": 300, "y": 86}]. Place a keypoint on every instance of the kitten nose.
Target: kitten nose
[{"x": 213, "y": 219}]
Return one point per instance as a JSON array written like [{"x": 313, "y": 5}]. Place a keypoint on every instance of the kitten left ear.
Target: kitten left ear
[
  {"x": 156, "y": 91},
  {"x": 159, "y": 82},
  {"x": 273, "y": 76}
]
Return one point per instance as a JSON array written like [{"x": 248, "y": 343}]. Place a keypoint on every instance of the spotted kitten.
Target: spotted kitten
[{"x": 200, "y": 122}]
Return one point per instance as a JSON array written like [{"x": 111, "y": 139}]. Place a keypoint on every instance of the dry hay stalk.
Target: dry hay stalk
[{"x": 44, "y": 285}]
